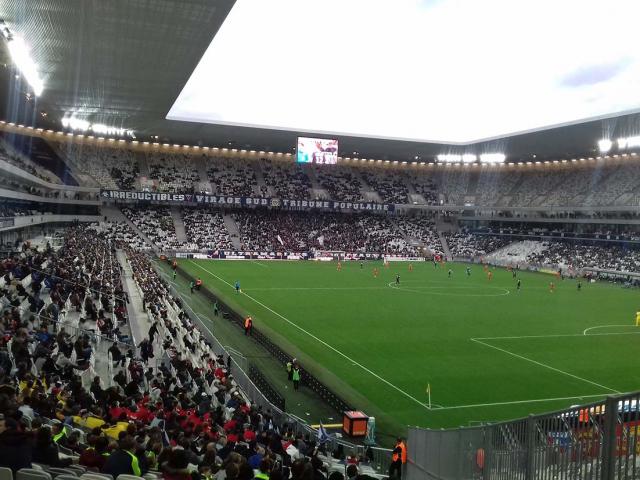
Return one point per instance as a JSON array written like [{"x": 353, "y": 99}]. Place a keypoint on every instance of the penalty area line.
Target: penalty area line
[
  {"x": 608, "y": 326},
  {"x": 544, "y": 365},
  {"x": 561, "y": 335},
  {"x": 322, "y": 342},
  {"x": 517, "y": 402}
]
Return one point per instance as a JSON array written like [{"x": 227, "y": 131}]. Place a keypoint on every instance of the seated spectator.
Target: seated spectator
[
  {"x": 123, "y": 461},
  {"x": 16, "y": 445},
  {"x": 45, "y": 450},
  {"x": 95, "y": 455}
]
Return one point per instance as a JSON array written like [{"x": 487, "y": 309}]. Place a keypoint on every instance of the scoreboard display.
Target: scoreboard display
[{"x": 317, "y": 150}]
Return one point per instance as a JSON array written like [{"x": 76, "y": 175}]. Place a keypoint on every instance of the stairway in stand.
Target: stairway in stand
[
  {"x": 234, "y": 233},
  {"x": 178, "y": 223}
]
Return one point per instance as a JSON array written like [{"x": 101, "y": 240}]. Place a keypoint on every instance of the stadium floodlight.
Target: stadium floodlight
[
  {"x": 22, "y": 58},
  {"x": 449, "y": 158},
  {"x": 492, "y": 158},
  {"x": 74, "y": 123},
  {"x": 469, "y": 158},
  {"x": 628, "y": 142},
  {"x": 605, "y": 145}
]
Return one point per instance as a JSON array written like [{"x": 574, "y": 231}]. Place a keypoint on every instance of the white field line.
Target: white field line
[
  {"x": 313, "y": 288},
  {"x": 319, "y": 340},
  {"x": 516, "y": 402},
  {"x": 543, "y": 365},
  {"x": 559, "y": 335},
  {"x": 449, "y": 294},
  {"x": 606, "y": 326},
  {"x": 258, "y": 263}
]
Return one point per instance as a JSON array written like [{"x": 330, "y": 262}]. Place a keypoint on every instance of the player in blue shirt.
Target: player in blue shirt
[{"x": 237, "y": 286}]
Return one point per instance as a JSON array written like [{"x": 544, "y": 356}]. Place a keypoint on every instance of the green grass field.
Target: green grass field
[{"x": 488, "y": 351}]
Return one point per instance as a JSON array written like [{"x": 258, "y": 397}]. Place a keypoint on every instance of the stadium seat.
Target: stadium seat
[
  {"x": 79, "y": 469},
  {"x": 96, "y": 476},
  {"x": 56, "y": 472},
  {"x": 129, "y": 477},
  {"x": 32, "y": 474},
  {"x": 6, "y": 473}
]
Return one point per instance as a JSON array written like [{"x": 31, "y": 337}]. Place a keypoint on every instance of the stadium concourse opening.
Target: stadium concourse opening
[{"x": 241, "y": 273}]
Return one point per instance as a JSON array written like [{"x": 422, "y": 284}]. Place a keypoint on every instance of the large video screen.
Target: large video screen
[{"x": 317, "y": 150}]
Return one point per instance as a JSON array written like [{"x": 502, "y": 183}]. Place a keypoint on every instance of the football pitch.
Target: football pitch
[{"x": 487, "y": 351}]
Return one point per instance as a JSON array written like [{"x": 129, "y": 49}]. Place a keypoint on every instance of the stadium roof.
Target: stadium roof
[{"x": 125, "y": 62}]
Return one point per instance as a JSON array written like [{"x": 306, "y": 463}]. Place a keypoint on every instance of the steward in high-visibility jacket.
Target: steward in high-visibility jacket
[
  {"x": 265, "y": 467},
  {"x": 58, "y": 432},
  {"x": 248, "y": 325},
  {"x": 398, "y": 458},
  {"x": 123, "y": 460}
]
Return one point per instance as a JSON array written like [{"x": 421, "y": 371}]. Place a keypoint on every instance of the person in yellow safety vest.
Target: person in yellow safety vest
[
  {"x": 398, "y": 458},
  {"x": 58, "y": 432},
  {"x": 637, "y": 319},
  {"x": 265, "y": 469},
  {"x": 295, "y": 376},
  {"x": 123, "y": 460},
  {"x": 248, "y": 325}
]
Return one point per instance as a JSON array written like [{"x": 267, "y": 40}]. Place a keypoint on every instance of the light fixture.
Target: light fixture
[
  {"x": 74, "y": 123},
  {"x": 492, "y": 158},
  {"x": 605, "y": 145},
  {"x": 629, "y": 142},
  {"x": 22, "y": 58}
]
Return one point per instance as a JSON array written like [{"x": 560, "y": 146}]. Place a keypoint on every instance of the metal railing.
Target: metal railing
[{"x": 597, "y": 441}]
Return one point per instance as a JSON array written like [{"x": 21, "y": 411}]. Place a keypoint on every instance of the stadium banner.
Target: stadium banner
[
  {"x": 229, "y": 255},
  {"x": 235, "y": 255},
  {"x": 394, "y": 258},
  {"x": 229, "y": 201}
]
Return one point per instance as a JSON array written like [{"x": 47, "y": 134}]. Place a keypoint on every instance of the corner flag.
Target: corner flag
[{"x": 323, "y": 436}]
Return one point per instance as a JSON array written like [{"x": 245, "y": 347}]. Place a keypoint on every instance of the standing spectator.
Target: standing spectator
[{"x": 153, "y": 330}]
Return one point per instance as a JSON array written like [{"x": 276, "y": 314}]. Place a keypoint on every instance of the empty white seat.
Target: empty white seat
[
  {"x": 129, "y": 477},
  {"x": 6, "y": 473},
  {"x": 32, "y": 474}
]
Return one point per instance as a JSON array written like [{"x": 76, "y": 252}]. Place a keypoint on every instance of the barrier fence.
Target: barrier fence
[
  {"x": 598, "y": 441},
  {"x": 265, "y": 387}
]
